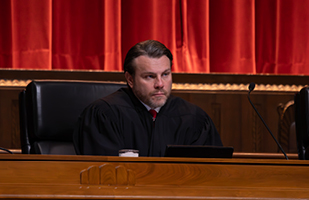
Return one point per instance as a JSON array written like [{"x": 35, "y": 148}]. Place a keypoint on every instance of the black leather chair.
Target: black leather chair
[
  {"x": 49, "y": 111},
  {"x": 302, "y": 122},
  {"x": 286, "y": 128}
]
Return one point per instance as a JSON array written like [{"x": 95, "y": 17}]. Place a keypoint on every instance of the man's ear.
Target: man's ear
[{"x": 129, "y": 79}]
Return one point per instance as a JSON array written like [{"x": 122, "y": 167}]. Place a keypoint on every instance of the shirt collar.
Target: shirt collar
[{"x": 148, "y": 108}]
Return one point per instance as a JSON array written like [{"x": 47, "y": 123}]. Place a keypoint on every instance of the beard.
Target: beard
[{"x": 151, "y": 100}]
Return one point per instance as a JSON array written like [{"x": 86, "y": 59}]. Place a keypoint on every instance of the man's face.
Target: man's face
[{"x": 152, "y": 82}]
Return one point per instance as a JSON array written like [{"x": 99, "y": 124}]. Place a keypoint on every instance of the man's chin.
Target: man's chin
[{"x": 158, "y": 103}]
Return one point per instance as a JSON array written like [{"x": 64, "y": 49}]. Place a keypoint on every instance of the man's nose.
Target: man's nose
[{"x": 158, "y": 83}]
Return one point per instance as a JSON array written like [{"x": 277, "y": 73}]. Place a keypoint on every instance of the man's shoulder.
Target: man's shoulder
[{"x": 118, "y": 98}]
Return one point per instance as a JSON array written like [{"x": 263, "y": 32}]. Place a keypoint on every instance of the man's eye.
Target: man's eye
[
  {"x": 166, "y": 74},
  {"x": 149, "y": 76}
]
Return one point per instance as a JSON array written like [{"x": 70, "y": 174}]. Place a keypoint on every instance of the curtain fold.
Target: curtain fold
[
  {"x": 232, "y": 47},
  {"x": 86, "y": 35},
  {"x": 195, "y": 47},
  {"x": 205, "y": 36},
  {"x": 25, "y": 34},
  {"x": 153, "y": 19},
  {"x": 5, "y": 35},
  {"x": 292, "y": 41},
  {"x": 265, "y": 38}
]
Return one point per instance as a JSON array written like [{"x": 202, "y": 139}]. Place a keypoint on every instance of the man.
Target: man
[{"x": 122, "y": 120}]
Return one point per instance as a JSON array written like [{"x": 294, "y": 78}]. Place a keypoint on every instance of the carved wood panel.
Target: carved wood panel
[{"x": 99, "y": 177}]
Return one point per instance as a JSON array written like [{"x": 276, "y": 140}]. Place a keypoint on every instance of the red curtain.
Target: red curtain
[
  {"x": 229, "y": 36},
  {"x": 25, "y": 34}
]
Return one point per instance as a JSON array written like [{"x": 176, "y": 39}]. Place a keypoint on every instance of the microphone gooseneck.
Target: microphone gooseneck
[
  {"x": 251, "y": 88},
  {"x": 3, "y": 149}
]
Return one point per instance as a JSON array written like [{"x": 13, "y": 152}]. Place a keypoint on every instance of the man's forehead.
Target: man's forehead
[{"x": 146, "y": 61}]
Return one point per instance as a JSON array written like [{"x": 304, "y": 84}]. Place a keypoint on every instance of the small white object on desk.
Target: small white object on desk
[{"x": 128, "y": 153}]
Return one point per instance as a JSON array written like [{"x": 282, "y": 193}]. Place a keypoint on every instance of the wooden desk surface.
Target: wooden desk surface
[{"x": 99, "y": 177}]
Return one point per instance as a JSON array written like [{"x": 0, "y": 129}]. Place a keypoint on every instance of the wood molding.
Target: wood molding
[
  {"x": 191, "y": 86},
  {"x": 217, "y": 81}
]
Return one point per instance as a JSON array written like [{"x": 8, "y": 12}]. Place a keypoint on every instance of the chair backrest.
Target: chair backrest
[
  {"x": 49, "y": 111},
  {"x": 302, "y": 122},
  {"x": 286, "y": 128}
]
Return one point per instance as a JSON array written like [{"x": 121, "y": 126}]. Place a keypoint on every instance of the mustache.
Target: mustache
[{"x": 159, "y": 91}]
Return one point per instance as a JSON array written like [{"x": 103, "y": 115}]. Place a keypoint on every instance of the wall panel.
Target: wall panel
[{"x": 223, "y": 97}]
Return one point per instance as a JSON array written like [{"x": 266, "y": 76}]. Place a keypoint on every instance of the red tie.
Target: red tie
[{"x": 153, "y": 113}]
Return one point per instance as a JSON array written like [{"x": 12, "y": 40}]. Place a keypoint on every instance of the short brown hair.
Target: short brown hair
[{"x": 150, "y": 48}]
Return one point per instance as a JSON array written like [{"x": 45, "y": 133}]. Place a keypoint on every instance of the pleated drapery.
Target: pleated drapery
[{"x": 228, "y": 36}]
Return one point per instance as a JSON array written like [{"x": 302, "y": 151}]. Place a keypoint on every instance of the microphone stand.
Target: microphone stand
[{"x": 251, "y": 87}]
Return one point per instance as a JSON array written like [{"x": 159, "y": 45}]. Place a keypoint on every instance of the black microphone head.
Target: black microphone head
[{"x": 251, "y": 86}]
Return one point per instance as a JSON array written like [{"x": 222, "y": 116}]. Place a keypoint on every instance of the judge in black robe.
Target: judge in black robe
[{"x": 121, "y": 121}]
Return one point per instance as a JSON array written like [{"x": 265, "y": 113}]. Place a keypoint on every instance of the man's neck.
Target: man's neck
[{"x": 148, "y": 107}]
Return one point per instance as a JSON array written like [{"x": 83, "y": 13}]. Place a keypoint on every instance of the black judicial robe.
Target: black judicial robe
[{"x": 121, "y": 121}]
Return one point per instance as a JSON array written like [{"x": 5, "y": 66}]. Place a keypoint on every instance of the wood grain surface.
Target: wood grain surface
[{"x": 99, "y": 177}]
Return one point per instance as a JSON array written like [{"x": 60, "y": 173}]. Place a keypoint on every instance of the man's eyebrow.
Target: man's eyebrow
[
  {"x": 149, "y": 72},
  {"x": 167, "y": 70},
  {"x": 144, "y": 73}
]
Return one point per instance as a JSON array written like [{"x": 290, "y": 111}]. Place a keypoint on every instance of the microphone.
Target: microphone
[{"x": 251, "y": 88}]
